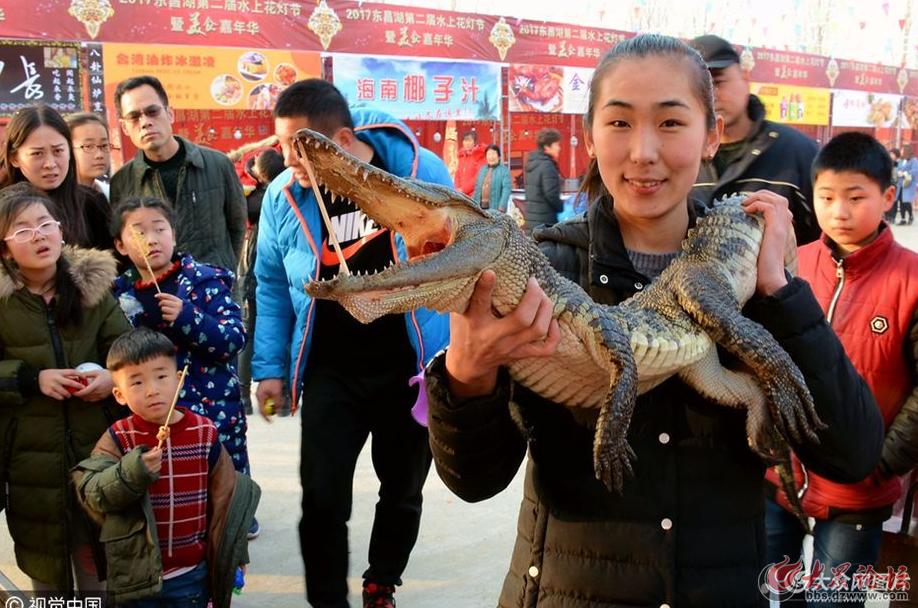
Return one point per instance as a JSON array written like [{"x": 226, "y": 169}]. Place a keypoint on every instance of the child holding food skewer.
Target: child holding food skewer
[
  {"x": 164, "y": 489},
  {"x": 191, "y": 303}
]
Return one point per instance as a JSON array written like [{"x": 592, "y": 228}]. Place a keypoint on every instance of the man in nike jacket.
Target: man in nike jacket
[{"x": 353, "y": 377}]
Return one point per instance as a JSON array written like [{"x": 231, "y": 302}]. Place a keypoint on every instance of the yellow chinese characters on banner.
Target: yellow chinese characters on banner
[
  {"x": 199, "y": 78},
  {"x": 792, "y": 104}
]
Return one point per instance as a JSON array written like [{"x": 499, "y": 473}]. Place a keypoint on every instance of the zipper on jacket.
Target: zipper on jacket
[
  {"x": 61, "y": 360},
  {"x": 7, "y": 459},
  {"x": 839, "y": 285}
]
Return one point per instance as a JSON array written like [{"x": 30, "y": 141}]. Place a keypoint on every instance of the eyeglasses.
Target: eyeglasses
[
  {"x": 25, "y": 235},
  {"x": 91, "y": 148},
  {"x": 150, "y": 112}
]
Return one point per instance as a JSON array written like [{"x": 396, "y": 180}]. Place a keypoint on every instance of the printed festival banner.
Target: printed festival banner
[
  {"x": 863, "y": 109},
  {"x": 337, "y": 26},
  {"x": 208, "y": 77},
  {"x": 38, "y": 72},
  {"x": 791, "y": 104},
  {"x": 420, "y": 90}
]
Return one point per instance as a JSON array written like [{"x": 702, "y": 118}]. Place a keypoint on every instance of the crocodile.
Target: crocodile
[{"x": 607, "y": 354}]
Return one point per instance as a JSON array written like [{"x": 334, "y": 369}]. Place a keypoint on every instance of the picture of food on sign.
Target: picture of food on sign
[
  {"x": 253, "y": 66},
  {"x": 911, "y": 112},
  {"x": 226, "y": 90},
  {"x": 263, "y": 97},
  {"x": 879, "y": 111},
  {"x": 285, "y": 74},
  {"x": 61, "y": 57},
  {"x": 536, "y": 88}
]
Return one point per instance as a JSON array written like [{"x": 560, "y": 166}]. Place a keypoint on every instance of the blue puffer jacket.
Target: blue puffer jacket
[
  {"x": 290, "y": 230},
  {"x": 208, "y": 334}
]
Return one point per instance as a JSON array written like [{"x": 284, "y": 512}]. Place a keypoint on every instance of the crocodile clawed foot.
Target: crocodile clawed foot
[
  {"x": 610, "y": 464},
  {"x": 794, "y": 409}
]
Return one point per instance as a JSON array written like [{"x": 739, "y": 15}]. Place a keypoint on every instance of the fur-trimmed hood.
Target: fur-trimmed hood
[{"x": 93, "y": 271}]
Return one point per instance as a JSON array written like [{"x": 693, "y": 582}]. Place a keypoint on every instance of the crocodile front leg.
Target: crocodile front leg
[
  {"x": 611, "y": 453},
  {"x": 710, "y": 301}
]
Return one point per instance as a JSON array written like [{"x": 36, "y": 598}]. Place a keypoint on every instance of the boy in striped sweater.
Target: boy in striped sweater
[{"x": 179, "y": 489}]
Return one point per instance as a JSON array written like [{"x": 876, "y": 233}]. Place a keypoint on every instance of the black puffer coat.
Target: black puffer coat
[
  {"x": 688, "y": 529},
  {"x": 774, "y": 157},
  {"x": 543, "y": 190}
]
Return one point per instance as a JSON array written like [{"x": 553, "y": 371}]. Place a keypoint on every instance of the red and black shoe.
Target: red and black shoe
[{"x": 378, "y": 596}]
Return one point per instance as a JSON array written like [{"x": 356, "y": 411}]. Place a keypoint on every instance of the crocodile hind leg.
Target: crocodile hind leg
[
  {"x": 711, "y": 303},
  {"x": 735, "y": 389},
  {"x": 739, "y": 389},
  {"x": 611, "y": 453}
]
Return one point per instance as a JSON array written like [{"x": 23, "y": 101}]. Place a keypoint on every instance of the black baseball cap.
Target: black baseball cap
[{"x": 716, "y": 52}]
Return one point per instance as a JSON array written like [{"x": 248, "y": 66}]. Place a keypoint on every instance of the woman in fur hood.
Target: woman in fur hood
[{"x": 56, "y": 313}]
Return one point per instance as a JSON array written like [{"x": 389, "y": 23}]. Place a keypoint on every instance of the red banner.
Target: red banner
[
  {"x": 347, "y": 26},
  {"x": 341, "y": 26},
  {"x": 802, "y": 69},
  {"x": 871, "y": 77},
  {"x": 784, "y": 67}
]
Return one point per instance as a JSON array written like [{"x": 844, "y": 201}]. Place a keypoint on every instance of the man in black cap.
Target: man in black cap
[{"x": 754, "y": 153}]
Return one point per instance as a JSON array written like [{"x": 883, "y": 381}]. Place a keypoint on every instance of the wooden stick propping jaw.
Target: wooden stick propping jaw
[{"x": 331, "y": 233}]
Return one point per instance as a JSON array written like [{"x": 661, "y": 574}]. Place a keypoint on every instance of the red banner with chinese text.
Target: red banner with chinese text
[
  {"x": 347, "y": 26},
  {"x": 342, "y": 26}
]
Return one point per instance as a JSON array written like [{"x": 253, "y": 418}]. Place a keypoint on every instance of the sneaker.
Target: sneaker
[
  {"x": 253, "y": 530},
  {"x": 378, "y": 596}
]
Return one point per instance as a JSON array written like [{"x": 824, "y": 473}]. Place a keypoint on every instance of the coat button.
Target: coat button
[
  {"x": 533, "y": 571},
  {"x": 666, "y": 524},
  {"x": 638, "y": 285},
  {"x": 664, "y": 438},
  {"x": 603, "y": 279},
  {"x": 755, "y": 152},
  {"x": 664, "y": 605}
]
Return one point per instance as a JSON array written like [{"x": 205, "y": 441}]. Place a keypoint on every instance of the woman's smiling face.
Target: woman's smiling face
[{"x": 649, "y": 140}]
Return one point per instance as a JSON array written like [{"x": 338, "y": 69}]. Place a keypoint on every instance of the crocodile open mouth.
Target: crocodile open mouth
[{"x": 448, "y": 239}]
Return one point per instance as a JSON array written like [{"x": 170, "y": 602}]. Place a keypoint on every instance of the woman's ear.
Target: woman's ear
[
  {"x": 588, "y": 141},
  {"x": 712, "y": 141}
]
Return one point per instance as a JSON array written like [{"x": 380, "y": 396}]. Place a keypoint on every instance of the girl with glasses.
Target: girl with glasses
[
  {"x": 37, "y": 149},
  {"x": 89, "y": 136},
  {"x": 56, "y": 312}
]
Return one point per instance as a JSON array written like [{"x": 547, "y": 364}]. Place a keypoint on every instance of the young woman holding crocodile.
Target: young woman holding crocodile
[{"x": 687, "y": 529}]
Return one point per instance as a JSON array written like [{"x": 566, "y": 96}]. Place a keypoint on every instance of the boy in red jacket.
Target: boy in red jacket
[{"x": 867, "y": 284}]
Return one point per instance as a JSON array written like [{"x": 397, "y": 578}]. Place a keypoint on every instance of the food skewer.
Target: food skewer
[
  {"x": 164, "y": 430},
  {"x": 144, "y": 249}
]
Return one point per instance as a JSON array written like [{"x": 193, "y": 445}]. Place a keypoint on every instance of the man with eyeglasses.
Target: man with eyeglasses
[{"x": 201, "y": 183}]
